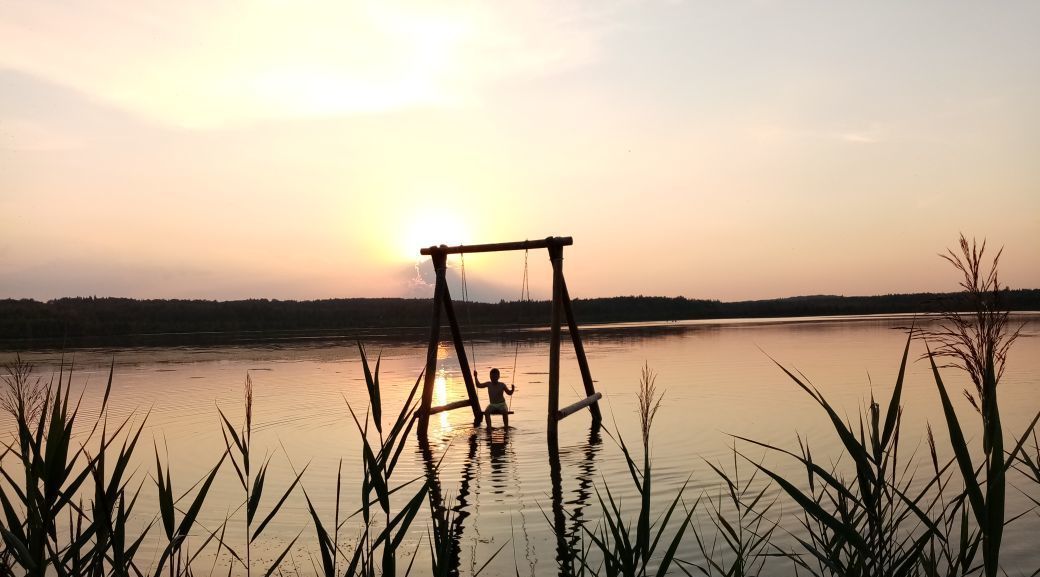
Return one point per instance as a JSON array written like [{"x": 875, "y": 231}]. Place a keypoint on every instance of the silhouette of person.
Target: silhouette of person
[{"x": 497, "y": 403}]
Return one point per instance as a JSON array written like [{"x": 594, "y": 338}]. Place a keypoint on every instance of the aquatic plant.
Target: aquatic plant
[
  {"x": 956, "y": 544},
  {"x": 977, "y": 343},
  {"x": 375, "y": 551},
  {"x": 869, "y": 524},
  {"x": 625, "y": 552},
  {"x": 239, "y": 446},
  {"x": 740, "y": 514},
  {"x": 23, "y": 394},
  {"x": 55, "y": 476}
]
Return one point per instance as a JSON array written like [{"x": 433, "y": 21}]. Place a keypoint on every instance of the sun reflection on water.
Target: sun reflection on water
[{"x": 440, "y": 396}]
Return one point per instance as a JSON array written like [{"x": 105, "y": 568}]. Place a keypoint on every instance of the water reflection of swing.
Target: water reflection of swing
[
  {"x": 449, "y": 523},
  {"x": 568, "y": 514},
  {"x": 569, "y": 536}
]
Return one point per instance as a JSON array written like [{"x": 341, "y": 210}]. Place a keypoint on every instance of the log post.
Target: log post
[
  {"x": 460, "y": 352},
  {"x": 579, "y": 352},
  {"x": 449, "y": 406},
  {"x": 556, "y": 256},
  {"x": 589, "y": 401},
  {"x": 564, "y": 551},
  {"x": 440, "y": 268}
]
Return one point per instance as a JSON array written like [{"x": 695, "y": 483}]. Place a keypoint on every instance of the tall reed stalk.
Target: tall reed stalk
[
  {"x": 239, "y": 446},
  {"x": 977, "y": 342},
  {"x": 868, "y": 525},
  {"x": 375, "y": 552},
  {"x": 633, "y": 553}
]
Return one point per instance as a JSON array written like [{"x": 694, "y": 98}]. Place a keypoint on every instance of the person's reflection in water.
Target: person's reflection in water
[
  {"x": 498, "y": 441},
  {"x": 569, "y": 538}
]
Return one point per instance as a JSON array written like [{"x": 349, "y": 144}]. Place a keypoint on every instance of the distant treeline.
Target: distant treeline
[{"x": 72, "y": 320}]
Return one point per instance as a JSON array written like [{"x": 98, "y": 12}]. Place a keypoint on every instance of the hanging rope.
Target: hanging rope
[
  {"x": 469, "y": 313},
  {"x": 525, "y": 296},
  {"x": 525, "y": 289}
]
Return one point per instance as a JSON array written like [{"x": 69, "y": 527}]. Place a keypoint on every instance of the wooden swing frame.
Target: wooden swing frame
[{"x": 561, "y": 308}]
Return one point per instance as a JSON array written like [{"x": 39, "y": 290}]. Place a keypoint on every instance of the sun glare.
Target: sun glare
[{"x": 433, "y": 228}]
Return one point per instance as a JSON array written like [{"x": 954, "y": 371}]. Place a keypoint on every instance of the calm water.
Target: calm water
[{"x": 716, "y": 376}]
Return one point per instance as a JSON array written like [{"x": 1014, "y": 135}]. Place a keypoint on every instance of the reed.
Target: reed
[
  {"x": 977, "y": 342},
  {"x": 740, "y": 514},
  {"x": 239, "y": 448},
  {"x": 376, "y": 549},
  {"x": 23, "y": 393},
  {"x": 956, "y": 546},
  {"x": 47, "y": 528},
  {"x": 633, "y": 551},
  {"x": 867, "y": 524}
]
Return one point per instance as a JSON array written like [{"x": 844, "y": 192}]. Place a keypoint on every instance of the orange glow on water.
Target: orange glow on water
[{"x": 440, "y": 396}]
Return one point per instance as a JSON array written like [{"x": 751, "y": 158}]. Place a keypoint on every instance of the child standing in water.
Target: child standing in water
[{"x": 498, "y": 401}]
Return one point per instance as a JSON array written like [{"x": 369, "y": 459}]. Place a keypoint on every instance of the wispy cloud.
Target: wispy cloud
[
  {"x": 201, "y": 64},
  {"x": 870, "y": 135}
]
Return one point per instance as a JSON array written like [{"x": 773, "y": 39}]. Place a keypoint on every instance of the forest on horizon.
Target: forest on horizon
[{"x": 90, "y": 320}]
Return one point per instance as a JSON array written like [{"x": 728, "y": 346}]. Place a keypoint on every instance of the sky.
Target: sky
[{"x": 304, "y": 150}]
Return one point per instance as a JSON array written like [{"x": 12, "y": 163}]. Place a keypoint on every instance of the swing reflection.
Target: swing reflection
[
  {"x": 455, "y": 519},
  {"x": 568, "y": 526}
]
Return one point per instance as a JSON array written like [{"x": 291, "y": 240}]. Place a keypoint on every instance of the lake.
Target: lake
[{"x": 717, "y": 377}]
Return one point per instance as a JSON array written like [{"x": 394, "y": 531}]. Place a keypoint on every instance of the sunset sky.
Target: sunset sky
[{"x": 728, "y": 150}]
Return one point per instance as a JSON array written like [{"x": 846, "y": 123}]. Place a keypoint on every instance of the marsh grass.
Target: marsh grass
[
  {"x": 48, "y": 527},
  {"x": 23, "y": 393},
  {"x": 868, "y": 524},
  {"x": 956, "y": 546},
  {"x": 1028, "y": 465},
  {"x": 739, "y": 540},
  {"x": 375, "y": 551},
  {"x": 239, "y": 449},
  {"x": 625, "y": 550},
  {"x": 977, "y": 342}
]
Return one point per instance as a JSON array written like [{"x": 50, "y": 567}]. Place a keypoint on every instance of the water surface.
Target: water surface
[{"x": 502, "y": 487}]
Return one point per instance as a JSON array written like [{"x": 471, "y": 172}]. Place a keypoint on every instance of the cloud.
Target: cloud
[
  {"x": 870, "y": 135},
  {"x": 418, "y": 282},
  {"x": 200, "y": 64}
]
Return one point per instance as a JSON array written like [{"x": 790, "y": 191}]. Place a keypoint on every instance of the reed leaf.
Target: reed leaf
[
  {"x": 817, "y": 512},
  {"x": 960, "y": 450},
  {"x": 893, "y": 406},
  {"x": 274, "y": 510},
  {"x": 372, "y": 384},
  {"x": 278, "y": 560}
]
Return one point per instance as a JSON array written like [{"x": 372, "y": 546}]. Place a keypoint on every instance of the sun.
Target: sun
[{"x": 432, "y": 228}]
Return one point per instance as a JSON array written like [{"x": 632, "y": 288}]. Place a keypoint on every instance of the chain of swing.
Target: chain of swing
[{"x": 525, "y": 296}]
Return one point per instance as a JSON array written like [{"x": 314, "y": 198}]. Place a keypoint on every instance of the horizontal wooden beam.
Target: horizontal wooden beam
[
  {"x": 449, "y": 407},
  {"x": 498, "y": 247},
  {"x": 571, "y": 409}
]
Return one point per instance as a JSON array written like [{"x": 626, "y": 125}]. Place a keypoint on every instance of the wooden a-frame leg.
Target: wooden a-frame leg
[
  {"x": 430, "y": 376},
  {"x": 460, "y": 352},
  {"x": 579, "y": 352},
  {"x": 556, "y": 256}
]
